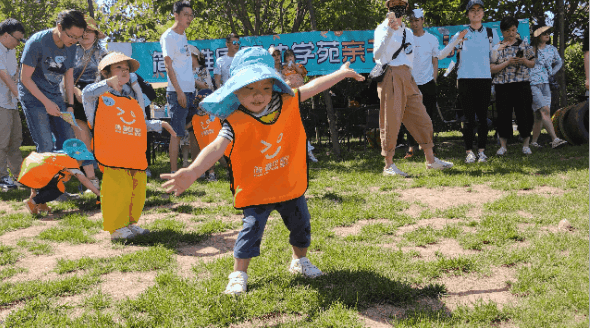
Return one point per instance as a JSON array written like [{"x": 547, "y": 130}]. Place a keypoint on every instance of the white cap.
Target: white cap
[{"x": 418, "y": 13}]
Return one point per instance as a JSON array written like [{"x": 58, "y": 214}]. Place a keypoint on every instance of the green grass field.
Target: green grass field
[{"x": 475, "y": 246}]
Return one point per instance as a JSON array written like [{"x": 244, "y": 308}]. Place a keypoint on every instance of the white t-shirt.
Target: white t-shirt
[
  {"x": 7, "y": 62},
  {"x": 222, "y": 66},
  {"x": 425, "y": 47},
  {"x": 175, "y": 46}
]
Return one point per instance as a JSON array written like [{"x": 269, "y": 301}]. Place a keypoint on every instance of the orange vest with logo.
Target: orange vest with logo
[
  {"x": 120, "y": 133},
  {"x": 270, "y": 158},
  {"x": 38, "y": 169},
  {"x": 206, "y": 129}
]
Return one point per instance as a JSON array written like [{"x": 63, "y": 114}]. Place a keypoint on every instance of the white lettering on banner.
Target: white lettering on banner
[
  {"x": 220, "y": 52},
  {"x": 280, "y": 47},
  {"x": 158, "y": 65},
  {"x": 328, "y": 50},
  {"x": 303, "y": 51},
  {"x": 209, "y": 61}
]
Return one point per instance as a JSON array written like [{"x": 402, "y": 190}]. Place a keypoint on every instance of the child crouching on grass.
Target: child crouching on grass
[
  {"x": 45, "y": 174},
  {"x": 264, "y": 139},
  {"x": 120, "y": 141}
]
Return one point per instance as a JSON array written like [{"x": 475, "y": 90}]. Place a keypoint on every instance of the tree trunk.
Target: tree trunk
[
  {"x": 327, "y": 97},
  {"x": 561, "y": 32},
  {"x": 91, "y": 8}
]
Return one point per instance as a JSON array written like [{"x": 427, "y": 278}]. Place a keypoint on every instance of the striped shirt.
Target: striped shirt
[{"x": 268, "y": 115}]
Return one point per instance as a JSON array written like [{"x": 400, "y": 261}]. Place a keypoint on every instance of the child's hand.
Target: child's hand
[
  {"x": 349, "y": 72},
  {"x": 114, "y": 82},
  {"x": 179, "y": 181}
]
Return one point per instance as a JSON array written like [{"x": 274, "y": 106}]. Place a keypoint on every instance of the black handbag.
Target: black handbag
[{"x": 377, "y": 73}]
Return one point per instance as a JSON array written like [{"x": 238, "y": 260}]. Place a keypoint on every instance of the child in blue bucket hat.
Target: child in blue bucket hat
[
  {"x": 45, "y": 174},
  {"x": 265, "y": 143}
]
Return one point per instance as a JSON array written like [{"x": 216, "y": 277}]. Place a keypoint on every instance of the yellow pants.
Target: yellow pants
[{"x": 122, "y": 197}]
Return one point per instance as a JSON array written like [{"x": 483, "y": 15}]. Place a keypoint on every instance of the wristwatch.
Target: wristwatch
[{"x": 69, "y": 105}]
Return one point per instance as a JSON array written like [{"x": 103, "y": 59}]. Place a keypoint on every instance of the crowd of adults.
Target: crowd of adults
[{"x": 58, "y": 63}]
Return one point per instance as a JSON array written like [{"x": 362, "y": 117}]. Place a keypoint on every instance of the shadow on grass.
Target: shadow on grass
[
  {"x": 168, "y": 238},
  {"x": 360, "y": 288}
]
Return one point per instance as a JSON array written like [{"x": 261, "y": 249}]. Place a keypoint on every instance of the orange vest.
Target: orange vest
[
  {"x": 206, "y": 129},
  {"x": 38, "y": 169},
  {"x": 270, "y": 159},
  {"x": 120, "y": 133}
]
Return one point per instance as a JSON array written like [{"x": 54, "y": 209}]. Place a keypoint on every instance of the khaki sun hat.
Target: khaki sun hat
[
  {"x": 117, "y": 57},
  {"x": 194, "y": 51},
  {"x": 540, "y": 30},
  {"x": 91, "y": 25}
]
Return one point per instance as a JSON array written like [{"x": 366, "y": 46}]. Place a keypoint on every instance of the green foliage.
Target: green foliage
[{"x": 574, "y": 71}]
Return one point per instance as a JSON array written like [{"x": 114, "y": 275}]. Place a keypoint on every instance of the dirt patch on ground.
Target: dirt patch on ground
[
  {"x": 449, "y": 248},
  {"x": 269, "y": 320},
  {"x": 468, "y": 289},
  {"x": 434, "y": 223},
  {"x": 446, "y": 197},
  {"x": 381, "y": 315},
  {"x": 357, "y": 226},
  {"x": 413, "y": 211},
  {"x": 546, "y": 191},
  {"x": 121, "y": 285},
  {"x": 216, "y": 246}
]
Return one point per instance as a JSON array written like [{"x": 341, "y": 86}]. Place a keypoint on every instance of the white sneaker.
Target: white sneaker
[
  {"x": 212, "y": 177},
  {"x": 470, "y": 158},
  {"x": 557, "y": 142},
  {"x": 137, "y": 230},
  {"x": 393, "y": 170},
  {"x": 304, "y": 267},
  {"x": 7, "y": 182},
  {"x": 148, "y": 173},
  {"x": 122, "y": 233},
  {"x": 537, "y": 145},
  {"x": 502, "y": 151},
  {"x": 237, "y": 283},
  {"x": 439, "y": 165},
  {"x": 311, "y": 157},
  {"x": 527, "y": 151},
  {"x": 481, "y": 157}
]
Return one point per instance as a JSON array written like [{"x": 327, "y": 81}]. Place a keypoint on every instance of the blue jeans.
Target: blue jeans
[
  {"x": 295, "y": 215},
  {"x": 178, "y": 114},
  {"x": 42, "y": 125}
]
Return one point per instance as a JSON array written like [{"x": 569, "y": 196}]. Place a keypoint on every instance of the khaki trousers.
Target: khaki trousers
[
  {"x": 122, "y": 197},
  {"x": 401, "y": 102},
  {"x": 11, "y": 138}
]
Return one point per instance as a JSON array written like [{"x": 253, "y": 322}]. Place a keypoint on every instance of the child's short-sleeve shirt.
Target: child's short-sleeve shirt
[{"x": 50, "y": 62}]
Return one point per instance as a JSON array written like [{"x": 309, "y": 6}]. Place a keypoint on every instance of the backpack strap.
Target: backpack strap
[{"x": 490, "y": 36}]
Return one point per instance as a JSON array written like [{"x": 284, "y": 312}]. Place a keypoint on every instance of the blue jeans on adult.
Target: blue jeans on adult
[
  {"x": 42, "y": 125},
  {"x": 178, "y": 113}
]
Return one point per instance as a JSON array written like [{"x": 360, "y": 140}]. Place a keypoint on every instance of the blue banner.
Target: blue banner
[{"x": 321, "y": 52}]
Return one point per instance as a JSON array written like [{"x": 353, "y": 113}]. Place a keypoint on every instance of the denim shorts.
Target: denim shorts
[
  {"x": 541, "y": 96},
  {"x": 295, "y": 215},
  {"x": 178, "y": 114},
  {"x": 42, "y": 125}
]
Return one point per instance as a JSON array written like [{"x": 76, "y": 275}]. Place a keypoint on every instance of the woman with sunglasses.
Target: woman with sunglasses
[
  {"x": 89, "y": 52},
  {"x": 48, "y": 58},
  {"x": 547, "y": 63}
]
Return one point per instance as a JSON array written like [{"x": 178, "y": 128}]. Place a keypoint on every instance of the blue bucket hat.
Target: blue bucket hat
[
  {"x": 249, "y": 65},
  {"x": 76, "y": 149}
]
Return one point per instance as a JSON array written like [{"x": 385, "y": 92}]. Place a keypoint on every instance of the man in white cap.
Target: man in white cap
[{"x": 425, "y": 70}]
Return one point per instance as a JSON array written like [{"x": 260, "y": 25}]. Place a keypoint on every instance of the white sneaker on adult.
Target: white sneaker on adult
[
  {"x": 237, "y": 284},
  {"x": 311, "y": 157},
  {"x": 527, "y": 151},
  {"x": 95, "y": 183},
  {"x": 148, "y": 173},
  {"x": 470, "y": 158},
  {"x": 481, "y": 157},
  {"x": 392, "y": 170},
  {"x": 502, "y": 151},
  {"x": 557, "y": 142},
  {"x": 137, "y": 230},
  {"x": 122, "y": 233},
  {"x": 439, "y": 165},
  {"x": 7, "y": 182},
  {"x": 304, "y": 267}
]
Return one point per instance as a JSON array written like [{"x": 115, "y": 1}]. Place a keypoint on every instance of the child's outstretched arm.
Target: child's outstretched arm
[
  {"x": 326, "y": 82},
  {"x": 184, "y": 178},
  {"x": 84, "y": 180}
]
